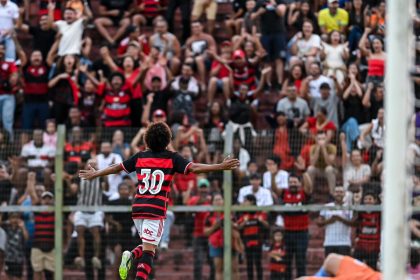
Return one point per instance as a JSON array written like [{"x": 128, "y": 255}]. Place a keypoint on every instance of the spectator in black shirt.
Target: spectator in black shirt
[
  {"x": 113, "y": 13},
  {"x": 43, "y": 36},
  {"x": 234, "y": 21},
  {"x": 273, "y": 33},
  {"x": 373, "y": 102},
  {"x": 121, "y": 223}
]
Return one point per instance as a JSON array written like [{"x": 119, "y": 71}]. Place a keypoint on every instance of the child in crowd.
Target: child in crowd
[
  {"x": 252, "y": 226},
  {"x": 16, "y": 236},
  {"x": 277, "y": 256},
  {"x": 368, "y": 232}
]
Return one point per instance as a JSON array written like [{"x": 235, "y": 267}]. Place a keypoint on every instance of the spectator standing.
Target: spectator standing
[
  {"x": 306, "y": 45},
  {"x": 252, "y": 226},
  {"x": 9, "y": 79},
  {"x": 77, "y": 150},
  {"x": 42, "y": 253},
  {"x": 333, "y": 18},
  {"x": 273, "y": 33},
  {"x": 119, "y": 146},
  {"x": 105, "y": 159},
  {"x": 373, "y": 100},
  {"x": 335, "y": 54},
  {"x": 9, "y": 14},
  {"x": 277, "y": 255},
  {"x": 322, "y": 159},
  {"x": 71, "y": 29},
  {"x": 16, "y": 235},
  {"x": 35, "y": 90},
  {"x": 90, "y": 193},
  {"x": 43, "y": 35},
  {"x": 296, "y": 224},
  {"x": 337, "y": 225},
  {"x": 37, "y": 153},
  {"x": 368, "y": 232},
  {"x": 213, "y": 230},
  {"x": 200, "y": 241},
  {"x": 262, "y": 195},
  {"x": 120, "y": 234}
]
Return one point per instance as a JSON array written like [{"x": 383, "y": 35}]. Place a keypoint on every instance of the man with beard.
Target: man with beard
[
  {"x": 105, "y": 159},
  {"x": 117, "y": 99},
  {"x": 296, "y": 223}
]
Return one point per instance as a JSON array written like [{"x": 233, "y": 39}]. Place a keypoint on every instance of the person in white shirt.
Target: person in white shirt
[
  {"x": 9, "y": 14},
  {"x": 37, "y": 153},
  {"x": 337, "y": 225},
  {"x": 105, "y": 159},
  {"x": 281, "y": 177},
  {"x": 71, "y": 28},
  {"x": 311, "y": 85},
  {"x": 262, "y": 195}
]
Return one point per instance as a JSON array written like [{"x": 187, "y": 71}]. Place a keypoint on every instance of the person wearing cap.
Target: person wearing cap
[
  {"x": 328, "y": 100},
  {"x": 196, "y": 46},
  {"x": 262, "y": 195},
  {"x": 333, "y": 18},
  {"x": 200, "y": 242},
  {"x": 220, "y": 73}
]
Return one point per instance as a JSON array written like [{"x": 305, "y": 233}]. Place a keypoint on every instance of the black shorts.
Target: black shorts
[
  {"x": 275, "y": 46},
  {"x": 13, "y": 269}
]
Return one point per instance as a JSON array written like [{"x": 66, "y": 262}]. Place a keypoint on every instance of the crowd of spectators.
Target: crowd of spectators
[{"x": 301, "y": 83}]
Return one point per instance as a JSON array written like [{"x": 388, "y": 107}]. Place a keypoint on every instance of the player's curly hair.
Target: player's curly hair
[{"x": 158, "y": 136}]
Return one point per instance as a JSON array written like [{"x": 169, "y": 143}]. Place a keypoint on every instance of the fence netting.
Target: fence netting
[{"x": 282, "y": 172}]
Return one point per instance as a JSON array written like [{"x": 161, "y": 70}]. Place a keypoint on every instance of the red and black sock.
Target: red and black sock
[
  {"x": 145, "y": 265},
  {"x": 137, "y": 252}
]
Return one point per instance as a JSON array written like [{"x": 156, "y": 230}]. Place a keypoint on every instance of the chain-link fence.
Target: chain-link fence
[{"x": 267, "y": 229}]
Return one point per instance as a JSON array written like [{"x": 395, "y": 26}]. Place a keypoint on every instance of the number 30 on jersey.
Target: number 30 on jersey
[{"x": 154, "y": 184}]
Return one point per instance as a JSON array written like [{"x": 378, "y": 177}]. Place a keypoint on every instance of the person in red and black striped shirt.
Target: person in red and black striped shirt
[{"x": 155, "y": 169}]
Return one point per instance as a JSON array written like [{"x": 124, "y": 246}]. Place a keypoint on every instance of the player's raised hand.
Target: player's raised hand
[
  {"x": 230, "y": 163},
  {"x": 88, "y": 174}
]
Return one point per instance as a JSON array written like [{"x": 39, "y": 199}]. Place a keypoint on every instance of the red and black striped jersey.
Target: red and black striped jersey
[
  {"x": 155, "y": 171},
  {"x": 369, "y": 231},
  {"x": 117, "y": 106},
  {"x": 44, "y": 231},
  {"x": 252, "y": 229}
]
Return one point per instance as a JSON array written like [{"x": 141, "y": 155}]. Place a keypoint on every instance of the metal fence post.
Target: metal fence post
[
  {"x": 58, "y": 203},
  {"x": 227, "y": 221}
]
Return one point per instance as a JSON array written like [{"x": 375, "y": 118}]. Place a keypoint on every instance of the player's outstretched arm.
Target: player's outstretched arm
[
  {"x": 92, "y": 173},
  {"x": 227, "y": 164}
]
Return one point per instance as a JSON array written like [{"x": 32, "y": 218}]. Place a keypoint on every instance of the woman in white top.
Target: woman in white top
[
  {"x": 305, "y": 45},
  {"x": 334, "y": 55}
]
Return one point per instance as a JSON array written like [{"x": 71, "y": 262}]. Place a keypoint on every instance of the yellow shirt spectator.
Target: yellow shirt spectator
[{"x": 329, "y": 22}]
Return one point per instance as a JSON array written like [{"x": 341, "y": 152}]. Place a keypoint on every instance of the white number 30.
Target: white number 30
[{"x": 152, "y": 187}]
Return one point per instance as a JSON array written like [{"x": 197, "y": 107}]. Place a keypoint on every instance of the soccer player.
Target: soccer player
[
  {"x": 338, "y": 267},
  {"x": 155, "y": 168}
]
